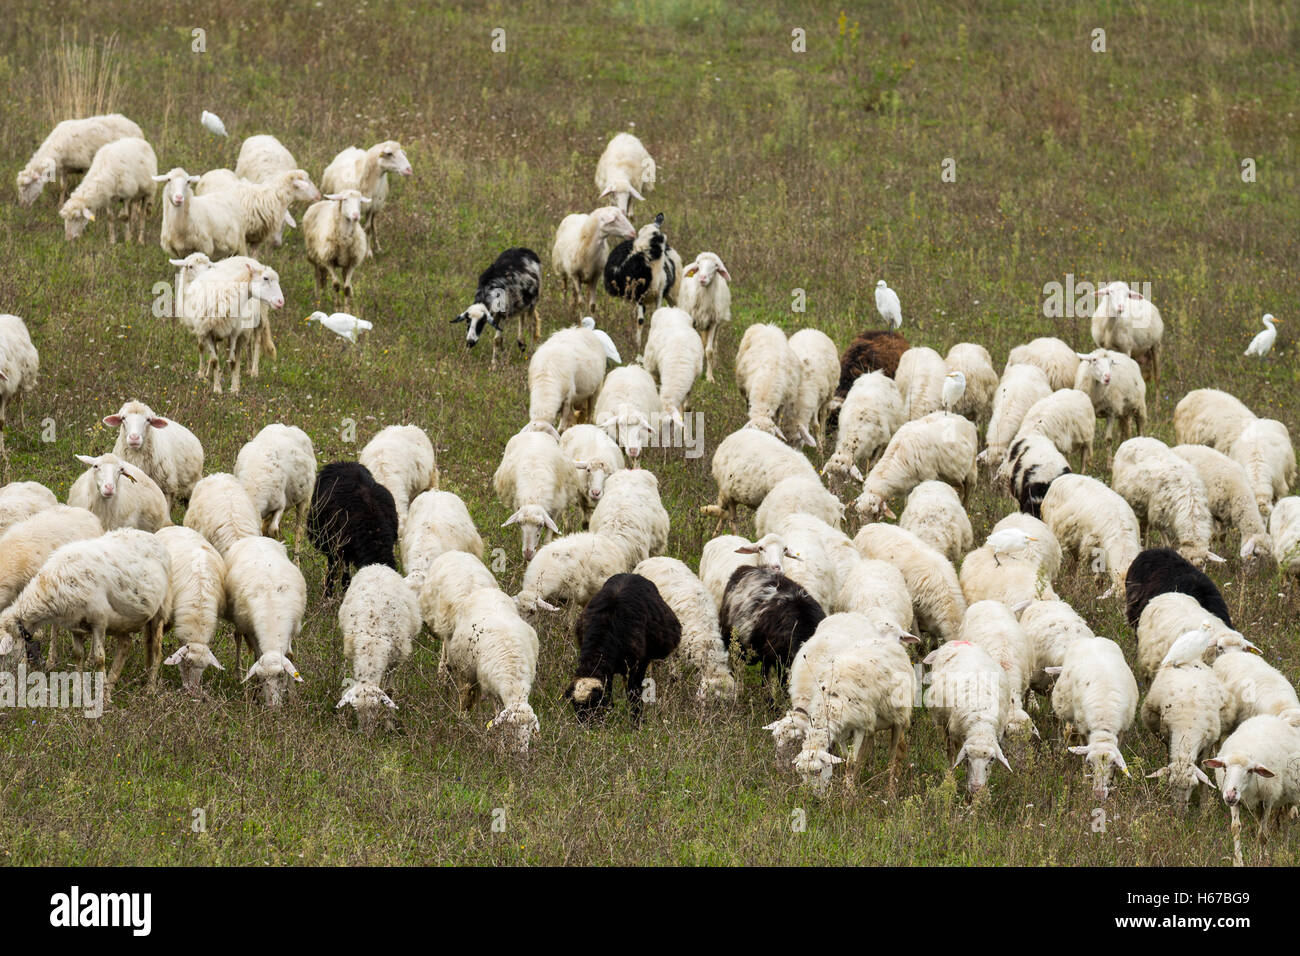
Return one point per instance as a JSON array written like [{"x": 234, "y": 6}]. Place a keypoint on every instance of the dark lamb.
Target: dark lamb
[
  {"x": 769, "y": 615},
  {"x": 643, "y": 269},
  {"x": 509, "y": 287},
  {"x": 1030, "y": 481},
  {"x": 352, "y": 521},
  {"x": 625, "y": 627},
  {"x": 1159, "y": 571}
]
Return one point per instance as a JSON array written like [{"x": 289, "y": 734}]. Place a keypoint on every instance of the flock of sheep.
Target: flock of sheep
[{"x": 833, "y": 616}]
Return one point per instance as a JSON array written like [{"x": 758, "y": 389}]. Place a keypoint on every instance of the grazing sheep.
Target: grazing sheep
[
  {"x": 1264, "y": 450},
  {"x": 263, "y": 208},
  {"x": 1184, "y": 708},
  {"x": 920, "y": 376},
  {"x": 335, "y": 240},
  {"x": 992, "y": 626},
  {"x": 278, "y": 471},
  {"x": 20, "y": 500},
  {"x": 1051, "y": 627},
  {"x": 223, "y": 306},
  {"x": 969, "y": 700},
  {"x": 1254, "y": 686},
  {"x": 402, "y": 459},
  {"x": 939, "y": 446},
  {"x": 539, "y": 482},
  {"x": 631, "y": 510},
  {"x": 975, "y": 363},
  {"x": 797, "y": 495},
  {"x": 1096, "y": 696},
  {"x": 870, "y": 414},
  {"x": 1255, "y": 769},
  {"x": 1284, "y": 526},
  {"x": 1231, "y": 498},
  {"x": 625, "y": 170},
  {"x": 706, "y": 295},
  {"x": 748, "y": 464},
  {"x": 1114, "y": 383},
  {"x": 448, "y": 583},
  {"x": 221, "y": 510},
  {"x": 1207, "y": 416},
  {"x": 1093, "y": 523},
  {"x": 824, "y": 555},
  {"x": 570, "y": 570},
  {"x": 596, "y": 456},
  {"x": 1067, "y": 418},
  {"x": 508, "y": 288},
  {"x": 719, "y": 558},
  {"x": 70, "y": 149},
  {"x": 1168, "y": 616},
  {"x": 163, "y": 449},
  {"x": 1022, "y": 385},
  {"x": 879, "y": 591},
  {"x": 122, "y": 171},
  {"x": 768, "y": 615},
  {"x": 366, "y": 171},
  {"x": 119, "y": 495},
  {"x": 871, "y": 351},
  {"x": 437, "y": 522},
  {"x": 1126, "y": 321},
  {"x": 1161, "y": 570},
  {"x": 622, "y": 630},
  {"x": 266, "y": 597},
  {"x": 937, "y": 599},
  {"x": 197, "y": 595},
  {"x": 262, "y": 157},
  {"x": 581, "y": 248},
  {"x": 935, "y": 515},
  {"x": 352, "y": 521},
  {"x": 819, "y": 363},
  {"x": 628, "y": 409},
  {"x": 19, "y": 365},
  {"x": 987, "y": 574},
  {"x": 701, "y": 647},
  {"x": 378, "y": 617},
  {"x": 1167, "y": 494},
  {"x": 674, "y": 356},
  {"x": 1032, "y": 463},
  {"x": 191, "y": 223},
  {"x": 1055, "y": 358},
  {"x": 564, "y": 375},
  {"x": 769, "y": 375},
  {"x": 644, "y": 269}
]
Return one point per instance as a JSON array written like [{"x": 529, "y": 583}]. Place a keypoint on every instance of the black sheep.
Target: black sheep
[
  {"x": 625, "y": 627},
  {"x": 769, "y": 614},
  {"x": 509, "y": 287},
  {"x": 868, "y": 352},
  {"x": 352, "y": 521},
  {"x": 643, "y": 269},
  {"x": 1159, "y": 571}
]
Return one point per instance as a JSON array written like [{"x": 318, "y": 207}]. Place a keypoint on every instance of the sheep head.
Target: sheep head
[{"x": 193, "y": 659}]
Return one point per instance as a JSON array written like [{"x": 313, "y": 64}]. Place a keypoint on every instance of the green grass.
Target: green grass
[{"x": 818, "y": 171}]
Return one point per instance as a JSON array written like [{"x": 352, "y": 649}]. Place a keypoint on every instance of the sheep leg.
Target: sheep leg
[
  {"x": 50, "y": 658},
  {"x": 854, "y": 759},
  {"x": 321, "y": 279},
  {"x": 519, "y": 335},
  {"x": 496, "y": 347},
  {"x": 238, "y": 647},
  {"x": 537, "y": 324},
  {"x": 112, "y": 228},
  {"x": 374, "y": 237},
  {"x": 897, "y": 754},
  {"x": 119, "y": 661},
  {"x": 635, "y": 678},
  {"x": 299, "y": 529},
  {"x": 255, "y": 352},
  {"x": 1236, "y": 836},
  {"x": 153, "y": 655},
  {"x": 468, "y": 696}
]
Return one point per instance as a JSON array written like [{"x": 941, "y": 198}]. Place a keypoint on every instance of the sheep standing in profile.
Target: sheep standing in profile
[
  {"x": 580, "y": 250},
  {"x": 644, "y": 270},
  {"x": 122, "y": 171},
  {"x": 508, "y": 288},
  {"x": 366, "y": 171},
  {"x": 19, "y": 364},
  {"x": 70, "y": 150}
]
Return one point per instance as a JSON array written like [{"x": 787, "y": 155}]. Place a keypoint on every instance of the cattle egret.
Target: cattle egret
[
  {"x": 212, "y": 123},
  {"x": 954, "y": 387},
  {"x": 1006, "y": 541},
  {"x": 611, "y": 351},
  {"x": 341, "y": 324},
  {"x": 1261, "y": 343},
  {"x": 888, "y": 306},
  {"x": 1189, "y": 647}
]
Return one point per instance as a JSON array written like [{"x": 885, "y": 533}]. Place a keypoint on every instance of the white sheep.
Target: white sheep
[
  {"x": 266, "y": 597},
  {"x": 1166, "y": 492},
  {"x": 824, "y": 555},
  {"x": 934, "y": 514},
  {"x": 1284, "y": 527},
  {"x": 1051, "y": 627},
  {"x": 447, "y": 584},
  {"x": 1058, "y": 362},
  {"x": 538, "y": 481},
  {"x": 379, "y": 617},
  {"x": 992, "y": 626},
  {"x": 1207, "y": 416},
  {"x": 163, "y": 449},
  {"x": 402, "y": 459},
  {"x": 879, "y": 591},
  {"x": 1043, "y": 548},
  {"x": 580, "y": 249},
  {"x": 1093, "y": 523},
  {"x": 1022, "y": 385},
  {"x": 701, "y": 648},
  {"x": 1009, "y": 578},
  {"x": 920, "y": 377},
  {"x": 122, "y": 171},
  {"x": 277, "y": 469},
  {"x": 624, "y": 171},
  {"x": 223, "y": 308},
  {"x": 263, "y": 207},
  {"x": 747, "y": 464},
  {"x": 191, "y": 223},
  {"x": 1096, "y": 696},
  {"x": 968, "y": 699},
  {"x": 1114, "y": 383},
  {"x": 975, "y": 363},
  {"x": 1126, "y": 321},
  {"x": 19, "y": 365},
  {"x": 564, "y": 375},
  {"x": 20, "y": 500},
  {"x": 937, "y": 599},
  {"x": 1255, "y": 768},
  {"x": 1185, "y": 708},
  {"x": 366, "y": 171},
  {"x": 719, "y": 559},
  {"x": 819, "y": 363},
  {"x": 570, "y": 570},
  {"x": 1168, "y": 616},
  {"x": 674, "y": 356},
  {"x": 70, "y": 148},
  {"x": 628, "y": 408},
  {"x": 197, "y": 595},
  {"x": 436, "y": 523},
  {"x": 631, "y": 509},
  {"x": 262, "y": 157},
  {"x": 336, "y": 240},
  {"x": 1254, "y": 686},
  {"x": 221, "y": 510},
  {"x": 797, "y": 495},
  {"x": 1264, "y": 449},
  {"x": 215, "y": 180},
  {"x": 1067, "y": 419},
  {"x": 769, "y": 375},
  {"x": 596, "y": 456},
  {"x": 119, "y": 495},
  {"x": 1231, "y": 498},
  {"x": 706, "y": 295},
  {"x": 939, "y": 446},
  {"x": 871, "y": 413}
]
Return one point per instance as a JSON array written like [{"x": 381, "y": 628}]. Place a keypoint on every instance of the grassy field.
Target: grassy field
[{"x": 817, "y": 171}]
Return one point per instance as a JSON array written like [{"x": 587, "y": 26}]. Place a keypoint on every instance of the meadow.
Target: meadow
[{"x": 812, "y": 174}]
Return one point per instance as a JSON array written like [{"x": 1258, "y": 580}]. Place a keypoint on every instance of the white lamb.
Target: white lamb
[
  {"x": 119, "y": 495},
  {"x": 797, "y": 495},
  {"x": 939, "y": 447},
  {"x": 819, "y": 363},
  {"x": 597, "y": 457},
  {"x": 1093, "y": 523},
  {"x": 935, "y": 515},
  {"x": 1185, "y": 708},
  {"x": 539, "y": 482},
  {"x": 223, "y": 308},
  {"x": 564, "y": 375},
  {"x": 706, "y": 294},
  {"x": 719, "y": 559},
  {"x": 1067, "y": 419},
  {"x": 748, "y": 464},
  {"x": 1022, "y": 385},
  {"x": 1255, "y": 768},
  {"x": 628, "y": 409},
  {"x": 1284, "y": 526},
  {"x": 1126, "y": 321},
  {"x": 1051, "y": 626},
  {"x": 1231, "y": 498},
  {"x": 871, "y": 413},
  {"x": 1207, "y": 416},
  {"x": 20, "y": 500},
  {"x": 624, "y": 171},
  {"x": 1054, "y": 357},
  {"x": 122, "y": 171},
  {"x": 1114, "y": 383},
  {"x": 70, "y": 148},
  {"x": 436, "y": 523},
  {"x": 920, "y": 376},
  {"x": 674, "y": 356},
  {"x": 197, "y": 595},
  {"x": 163, "y": 449},
  {"x": 975, "y": 363},
  {"x": 631, "y": 509},
  {"x": 221, "y": 510},
  {"x": 769, "y": 375},
  {"x": 402, "y": 459},
  {"x": 367, "y": 172},
  {"x": 19, "y": 365},
  {"x": 1166, "y": 492},
  {"x": 1264, "y": 449},
  {"x": 580, "y": 250},
  {"x": 266, "y": 597},
  {"x": 968, "y": 699},
  {"x": 992, "y": 626},
  {"x": 701, "y": 647},
  {"x": 937, "y": 599},
  {"x": 278, "y": 471},
  {"x": 191, "y": 223},
  {"x": 379, "y": 617},
  {"x": 1170, "y": 615},
  {"x": 335, "y": 239},
  {"x": 1096, "y": 696}
]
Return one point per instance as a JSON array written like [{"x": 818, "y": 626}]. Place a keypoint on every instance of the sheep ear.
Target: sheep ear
[
  {"x": 856, "y": 473},
  {"x": 387, "y": 701},
  {"x": 333, "y": 197},
  {"x": 463, "y": 317},
  {"x": 546, "y": 606},
  {"x": 832, "y": 759},
  {"x": 1002, "y": 758},
  {"x": 212, "y": 660},
  {"x": 252, "y": 672},
  {"x": 113, "y": 421},
  {"x": 961, "y": 755},
  {"x": 511, "y": 520},
  {"x": 193, "y": 180},
  {"x": 1019, "y": 609},
  {"x": 1214, "y": 763},
  {"x": 366, "y": 201},
  {"x": 6, "y": 644},
  {"x": 1081, "y": 751},
  {"x": 690, "y": 270},
  {"x": 1083, "y": 355},
  {"x": 85, "y": 459},
  {"x": 1200, "y": 775},
  {"x": 1211, "y": 556},
  {"x": 582, "y": 465},
  {"x": 607, "y": 192},
  {"x": 776, "y": 430},
  {"x": 635, "y": 195},
  {"x": 722, "y": 271},
  {"x": 890, "y": 514},
  {"x": 176, "y": 657},
  {"x": 1162, "y": 771},
  {"x": 348, "y": 697},
  {"x": 748, "y": 549},
  {"x": 787, "y": 553},
  {"x": 906, "y": 638},
  {"x": 157, "y": 422},
  {"x": 550, "y": 523},
  {"x": 159, "y": 179},
  {"x": 928, "y": 660},
  {"x": 1260, "y": 769},
  {"x": 773, "y": 726},
  {"x": 806, "y": 436}
]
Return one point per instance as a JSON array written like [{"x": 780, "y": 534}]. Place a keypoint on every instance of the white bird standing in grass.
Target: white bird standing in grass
[
  {"x": 611, "y": 351},
  {"x": 954, "y": 387},
  {"x": 212, "y": 123},
  {"x": 1006, "y": 541},
  {"x": 888, "y": 306},
  {"x": 1261, "y": 343},
  {"x": 341, "y": 324},
  {"x": 1189, "y": 647}
]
